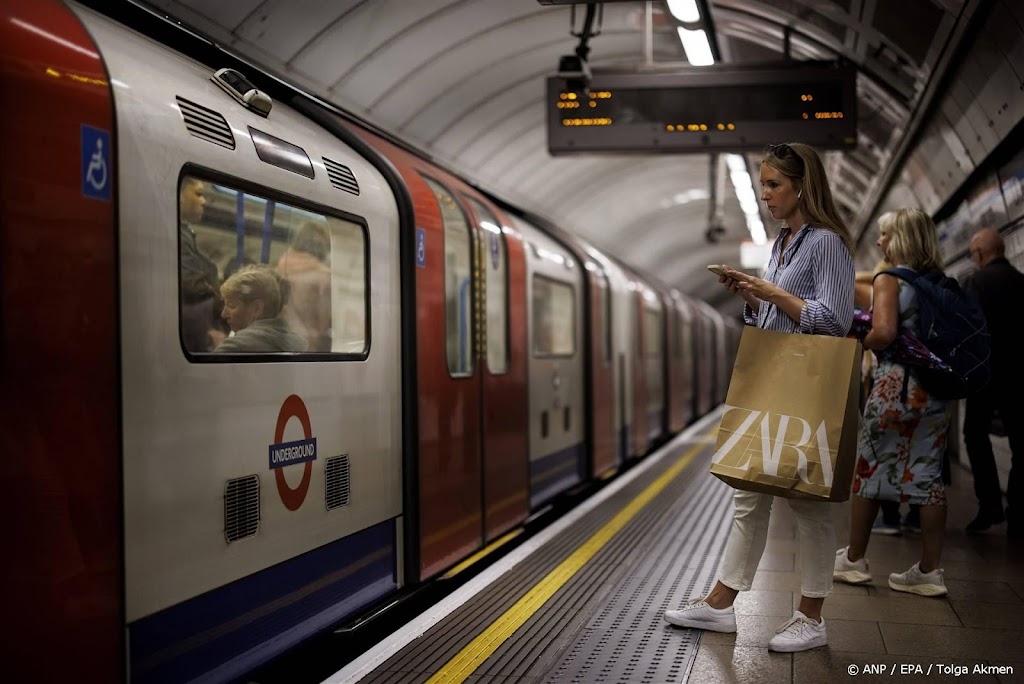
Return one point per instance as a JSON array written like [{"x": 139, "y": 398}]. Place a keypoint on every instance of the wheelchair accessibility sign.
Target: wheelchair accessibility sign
[{"x": 96, "y": 176}]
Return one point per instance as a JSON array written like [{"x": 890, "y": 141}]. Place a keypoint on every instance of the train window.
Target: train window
[
  {"x": 554, "y": 317},
  {"x": 458, "y": 284},
  {"x": 652, "y": 332},
  {"x": 496, "y": 283},
  {"x": 259, "y": 276},
  {"x": 604, "y": 304}
]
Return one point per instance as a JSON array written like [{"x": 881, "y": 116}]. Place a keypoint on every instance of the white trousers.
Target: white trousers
[{"x": 749, "y": 534}]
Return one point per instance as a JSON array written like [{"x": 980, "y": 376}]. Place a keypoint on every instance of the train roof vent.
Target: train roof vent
[
  {"x": 206, "y": 124},
  {"x": 341, "y": 176},
  {"x": 242, "y": 508},
  {"x": 337, "y": 481}
]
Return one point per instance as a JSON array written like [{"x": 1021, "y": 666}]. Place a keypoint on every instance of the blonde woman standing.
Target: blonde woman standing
[{"x": 899, "y": 456}]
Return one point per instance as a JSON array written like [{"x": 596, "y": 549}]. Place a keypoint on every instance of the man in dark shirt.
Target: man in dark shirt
[
  {"x": 996, "y": 285},
  {"x": 199, "y": 282}
]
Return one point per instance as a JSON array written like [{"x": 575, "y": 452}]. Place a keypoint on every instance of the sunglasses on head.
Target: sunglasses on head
[{"x": 781, "y": 150}]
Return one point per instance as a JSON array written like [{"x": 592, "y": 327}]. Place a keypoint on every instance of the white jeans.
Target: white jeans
[{"x": 750, "y": 532}]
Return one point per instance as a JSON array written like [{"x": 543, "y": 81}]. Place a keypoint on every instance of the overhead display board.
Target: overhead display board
[{"x": 704, "y": 109}]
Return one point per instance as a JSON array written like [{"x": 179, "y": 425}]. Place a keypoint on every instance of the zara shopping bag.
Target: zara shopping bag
[{"x": 790, "y": 423}]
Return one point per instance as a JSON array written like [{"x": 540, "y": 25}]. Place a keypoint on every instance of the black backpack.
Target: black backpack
[{"x": 952, "y": 326}]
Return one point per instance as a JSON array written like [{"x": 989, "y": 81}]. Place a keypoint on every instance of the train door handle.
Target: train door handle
[{"x": 544, "y": 424}]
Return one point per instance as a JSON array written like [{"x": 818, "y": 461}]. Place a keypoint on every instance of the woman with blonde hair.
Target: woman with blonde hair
[
  {"x": 807, "y": 288},
  {"x": 899, "y": 456}
]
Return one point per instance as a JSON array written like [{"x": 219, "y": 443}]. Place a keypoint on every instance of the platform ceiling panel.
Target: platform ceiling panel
[{"x": 464, "y": 80}]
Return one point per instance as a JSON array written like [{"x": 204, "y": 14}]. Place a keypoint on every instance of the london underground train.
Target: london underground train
[{"x": 265, "y": 368}]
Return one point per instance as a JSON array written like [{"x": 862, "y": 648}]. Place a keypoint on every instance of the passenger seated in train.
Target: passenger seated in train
[
  {"x": 201, "y": 327},
  {"x": 252, "y": 309},
  {"x": 305, "y": 266}
]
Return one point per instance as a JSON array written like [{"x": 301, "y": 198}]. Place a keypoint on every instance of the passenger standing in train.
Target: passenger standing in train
[
  {"x": 996, "y": 285},
  {"x": 201, "y": 327},
  {"x": 252, "y": 308},
  {"x": 304, "y": 266},
  {"x": 903, "y": 440},
  {"x": 807, "y": 288}
]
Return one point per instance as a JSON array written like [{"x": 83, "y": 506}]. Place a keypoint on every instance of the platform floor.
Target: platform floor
[
  {"x": 602, "y": 622},
  {"x": 980, "y": 622}
]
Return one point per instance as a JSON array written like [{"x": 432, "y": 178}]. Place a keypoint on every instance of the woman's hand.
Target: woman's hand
[
  {"x": 732, "y": 284},
  {"x": 744, "y": 284}
]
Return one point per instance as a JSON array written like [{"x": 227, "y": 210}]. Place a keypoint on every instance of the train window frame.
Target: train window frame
[
  {"x": 470, "y": 371},
  {"x": 484, "y": 214},
  {"x": 537, "y": 354},
  {"x": 244, "y": 185}
]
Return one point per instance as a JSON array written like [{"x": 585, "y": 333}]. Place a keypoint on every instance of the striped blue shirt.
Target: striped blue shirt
[{"x": 818, "y": 268}]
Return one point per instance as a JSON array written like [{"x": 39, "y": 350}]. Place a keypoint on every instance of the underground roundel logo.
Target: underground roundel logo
[{"x": 283, "y": 454}]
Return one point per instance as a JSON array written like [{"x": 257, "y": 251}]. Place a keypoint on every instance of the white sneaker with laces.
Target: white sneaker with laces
[
  {"x": 851, "y": 572},
  {"x": 800, "y": 633},
  {"x": 697, "y": 614},
  {"x": 914, "y": 581}
]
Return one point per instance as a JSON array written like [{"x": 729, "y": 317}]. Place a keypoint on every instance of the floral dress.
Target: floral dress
[{"x": 903, "y": 434}]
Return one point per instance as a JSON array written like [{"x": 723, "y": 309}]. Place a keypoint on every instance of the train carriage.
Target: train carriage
[
  {"x": 704, "y": 360},
  {"x": 619, "y": 308},
  {"x": 681, "y": 348},
  {"x": 719, "y": 356},
  {"x": 554, "y": 290},
  {"x": 652, "y": 362}
]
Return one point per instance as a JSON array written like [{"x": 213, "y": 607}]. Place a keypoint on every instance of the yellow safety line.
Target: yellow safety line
[
  {"x": 490, "y": 548},
  {"x": 459, "y": 668}
]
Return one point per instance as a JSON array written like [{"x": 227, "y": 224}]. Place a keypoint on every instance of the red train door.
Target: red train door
[
  {"x": 501, "y": 343},
  {"x": 469, "y": 473},
  {"x": 602, "y": 394},
  {"x": 679, "y": 411},
  {"x": 59, "y": 391},
  {"x": 449, "y": 377},
  {"x": 640, "y": 435}
]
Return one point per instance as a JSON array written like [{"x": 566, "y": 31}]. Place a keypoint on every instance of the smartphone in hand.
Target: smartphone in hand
[{"x": 716, "y": 269}]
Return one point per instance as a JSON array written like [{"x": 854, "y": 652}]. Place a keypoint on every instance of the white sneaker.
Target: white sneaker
[
  {"x": 800, "y": 633},
  {"x": 697, "y": 614},
  {"x": 851, "y": 572},
  {"x": 916, "y": 582}
]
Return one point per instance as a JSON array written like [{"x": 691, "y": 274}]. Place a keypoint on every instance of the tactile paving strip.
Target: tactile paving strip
[
  {"x": 627, "y": 640},
  {"x": 665, "y": 547},
  {"x": 416, "y": 662}
]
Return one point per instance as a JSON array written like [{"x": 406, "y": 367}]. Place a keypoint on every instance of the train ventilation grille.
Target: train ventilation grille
[
  {"x": 336, "y": 477},
  {"x": 242, "y": 508},
  {"x": 206, "y": 124},
  {"x": 341, "y": 176}
]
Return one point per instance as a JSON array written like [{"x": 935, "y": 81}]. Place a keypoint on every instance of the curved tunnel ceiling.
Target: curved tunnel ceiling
[{"x": 464, "y": 81}]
